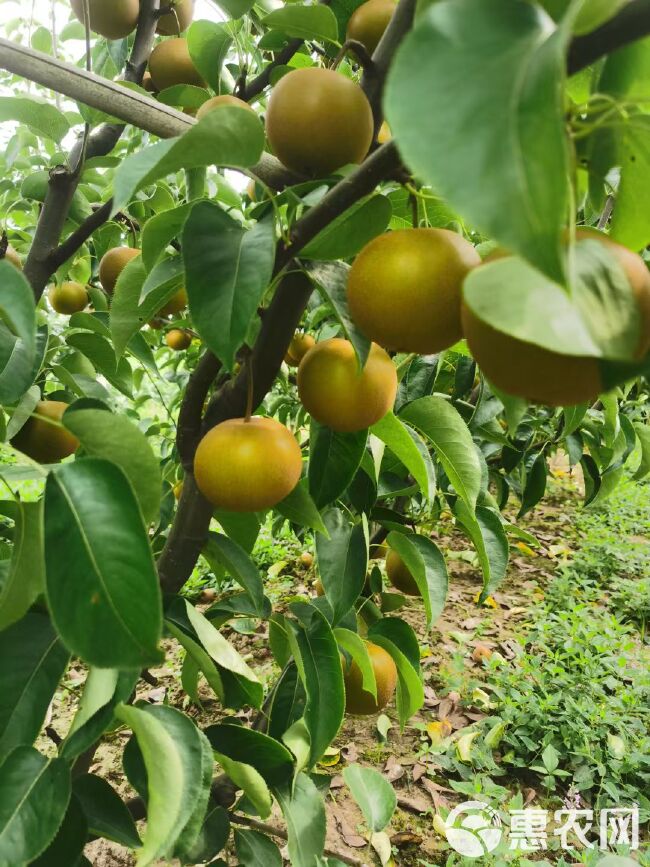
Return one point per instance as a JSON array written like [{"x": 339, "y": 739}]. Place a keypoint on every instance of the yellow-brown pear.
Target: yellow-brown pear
[
  {"x": 247, "y": 466},
  {"x": 404, "y": 289},
  {"x": 337, "y": 394},
  {"x": 318, "y": 121}
]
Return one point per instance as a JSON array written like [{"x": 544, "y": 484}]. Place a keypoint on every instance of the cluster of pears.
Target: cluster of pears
[
  {"x": 113, "y": 262},
  {"x": 318, "y": 120},
  {"x": 405, "y": 292},
  {"x": 118, "y": 18}
]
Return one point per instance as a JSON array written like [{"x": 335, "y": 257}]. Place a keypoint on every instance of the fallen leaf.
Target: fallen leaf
[
  {"x": 413, "y": 802},
  {"x": 418, "y": 771},
  {"x": 405, "y": 838}
]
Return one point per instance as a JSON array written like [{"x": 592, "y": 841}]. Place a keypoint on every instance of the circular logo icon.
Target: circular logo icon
[{"x": 473, "y": 829}]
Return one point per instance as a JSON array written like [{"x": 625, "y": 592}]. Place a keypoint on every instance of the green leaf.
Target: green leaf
[
  {"x": 298, "y": 740},
  {"x": 358, "y": 650},
  {"x": 269, "y": 757},
  {"x": 105, "y": 811},
  {"x": 196, "y": 660},
  {"x": 512, "y": 180},
  {"x": 349, "y": 233},
  {"x": 34, "y": 795},
  {"x": 399, "y": 633},
  {"x": 334, "y": 459},
  {"x": 159, "y": 230},
  {"x": 42, "y": 117},
  {"x": 373, "y": 793},
  {"x": 342, "y": 561},
  {"x": 242, "y": 527},
  {"x": 171, "y": 749},
  {"x": 70, "y": 840},
  {"x": 299, "y": 508},
  {"x": 319, "y": 665},
  {"x": 228, "y": 269},
  {"x": 399, "y": 440},
  {"x": 239, "y": 566},
  {"x": 425, "y": 562},
  {"x": 643, "y": 434},
  {"x": 250, "y": 781},
  {"x": 535, "y": 486},
  {"x": 208, "y": 44},
  {"x": 128, "y": 315},
  {"x": 102, "y": 355},
  {"x": 223, "y": 653},
  {"x": 551, "y": 758},
  {"x": 488, "y": 535},
  {"x": 444, "y": 427},
  {"x": 33, "y": 661},
  {"x": 630, "y": 219},
  {"x": 256, "y": 850},
  {"x": 600, "y": 318},
  {"x": 304, "y": 812},
  {"x": 104, "y": 689},
  {"x": 17, "y": 304},
  {"x": 25, "y": 579},
  {"x": 101, "y": 581},
  {"x": 230, "y": 137},
  {"x": 332, "y": 280},
  {"x": 304, "y": 22},
  {"x": 115, "y": 438}
]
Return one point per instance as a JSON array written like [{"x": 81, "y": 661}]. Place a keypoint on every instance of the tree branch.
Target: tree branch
[
  {"x": 273, "y": 831},
  {"x": 74, "y": 241},
  {"x": 188, "y": 429},
  {"x": 374, "y": 77},
  {"x": 629, "y": 25},
  {"x": 379, "y": 166},
  {"x": 63, "y": 180},
  {"x": 260, "y": 82}
]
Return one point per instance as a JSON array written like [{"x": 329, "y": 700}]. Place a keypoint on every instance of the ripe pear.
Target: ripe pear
[
  {"x": 175, "y": 22},
  {"x": 298, "y": 348},
  {"x": 68, "y": 297},
  {"x": 112, "y": 264},
  {"x": 541, "y": 375},
  {"x": 219, "y": 102},
  {"x": 178, "y": 340},
  {"x": 42, "y": 438},
  {"x": 247, "y": 465},
  {"x": 318, "y": 121},
  {"x": 368, "y": 22},
  {"x": 337, "y": 394},
  {"x": 113, "y": 20},
  {"x": 399, "y": 575},
  {"x": 175, "y": 304},
  {"x": 357, "y": 700},
  {"x": 404, "y": 289},
  {"x": 170, "y": 63},
  {"x": 12, "y": 256}
]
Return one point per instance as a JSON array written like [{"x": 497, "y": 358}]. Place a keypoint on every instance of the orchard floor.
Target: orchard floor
[{"x": 451, "y": 680}]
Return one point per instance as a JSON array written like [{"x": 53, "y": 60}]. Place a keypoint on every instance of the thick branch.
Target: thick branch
[
  {"x": 190, "y": 528},
  {"x": 188, "y": 429},
  {"x": 63, "y": 181},
  {"x": 629, "y": 25},
  {"x": 374, "y": 78},
  {"x": 379, "y": 166}
]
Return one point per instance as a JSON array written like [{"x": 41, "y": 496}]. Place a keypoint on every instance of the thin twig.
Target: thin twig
[{"x": 274, "y": 831}]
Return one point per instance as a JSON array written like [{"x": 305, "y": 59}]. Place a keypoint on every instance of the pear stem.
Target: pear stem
[{"x": 361, "y": 52}]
